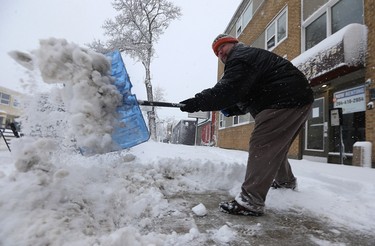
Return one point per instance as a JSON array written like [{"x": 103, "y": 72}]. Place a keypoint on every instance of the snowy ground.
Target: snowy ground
[{"x": 145, "y": 196}]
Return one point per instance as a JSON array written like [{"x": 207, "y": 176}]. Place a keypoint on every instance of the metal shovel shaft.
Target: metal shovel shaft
[{"x": 160, "y": 104}]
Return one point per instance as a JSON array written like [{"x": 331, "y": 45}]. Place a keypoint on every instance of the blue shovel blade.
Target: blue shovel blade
[{"x": 131, "y": 129}]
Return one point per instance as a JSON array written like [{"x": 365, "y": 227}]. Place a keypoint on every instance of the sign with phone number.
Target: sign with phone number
[{"x": 351, "y": 100}]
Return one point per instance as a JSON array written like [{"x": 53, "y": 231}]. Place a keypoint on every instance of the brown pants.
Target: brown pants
[{"x": 274, "y": 132}]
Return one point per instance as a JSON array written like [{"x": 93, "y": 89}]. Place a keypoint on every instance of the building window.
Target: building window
[
  {"x": 247, "y": 14},
  {"x": 4, "y": 98},
  {"x": 329, "y": 18},
  {"x": 245, "y": 18},
  {"x": 340, "y": 16},
  {"x": 242, "y": 119},
  {"x": 310, "y": 7},
  {"x": 233, "y": 121},
  {"x": 221, "y": 120},
  {"x": 271, "y": 36},
  {"x": 316, "y": 32},
  {"x": 277, "y": 31},
  {"x": 236, "y": 120},
  {"x": 281, "y": 27}
]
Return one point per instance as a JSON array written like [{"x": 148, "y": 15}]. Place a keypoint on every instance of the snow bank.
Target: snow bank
[{"x": 107, "y": 199}]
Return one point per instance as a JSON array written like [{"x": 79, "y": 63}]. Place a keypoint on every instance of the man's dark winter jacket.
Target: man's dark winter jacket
[{"x": 255, "y": 79}]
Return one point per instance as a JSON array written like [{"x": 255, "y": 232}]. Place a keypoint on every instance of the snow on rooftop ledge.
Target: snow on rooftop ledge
[{"x": 353, "y": 37}]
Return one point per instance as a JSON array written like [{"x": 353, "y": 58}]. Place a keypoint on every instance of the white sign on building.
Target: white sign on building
[
  {"x": 199, "y": 115},
  {"x": 350, "y": 100}
]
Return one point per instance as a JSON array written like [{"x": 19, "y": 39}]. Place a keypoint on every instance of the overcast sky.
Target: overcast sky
[{"x": 184, "y": 63}]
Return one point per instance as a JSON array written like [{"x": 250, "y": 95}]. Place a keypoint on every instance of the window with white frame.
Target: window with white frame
[
  {"x": 243, "y": 119},
  {"x": 328, "y": 18},
  {"x": 316, "y": 31},
  {"x": 340, "y": 16},
  {"x": 4, "y": 98},
  {"x": 245, "y": 18},
  {"x": 221, "y": 120},
  {"x": 225, "y": 122},
  {"x": 277, "y": 31},
  {"x": 247, "y": 14}
]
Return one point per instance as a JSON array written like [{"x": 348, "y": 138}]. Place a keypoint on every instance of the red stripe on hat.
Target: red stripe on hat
[{"x": 223, "y": 40}]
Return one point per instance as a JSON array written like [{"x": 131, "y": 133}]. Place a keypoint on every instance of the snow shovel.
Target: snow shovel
[{"x": 132, "y": 129}]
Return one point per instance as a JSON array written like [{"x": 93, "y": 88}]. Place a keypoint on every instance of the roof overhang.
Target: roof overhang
[{"x": 337, "y": 55}]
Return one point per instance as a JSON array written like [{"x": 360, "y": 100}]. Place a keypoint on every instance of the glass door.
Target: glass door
[{"x": 316, "y": 128}]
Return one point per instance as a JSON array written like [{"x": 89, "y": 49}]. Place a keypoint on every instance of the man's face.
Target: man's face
[{"x": 223, "y": 51}]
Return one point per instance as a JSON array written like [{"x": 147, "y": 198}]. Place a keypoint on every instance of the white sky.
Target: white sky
[{"x": 184, "y": 65}]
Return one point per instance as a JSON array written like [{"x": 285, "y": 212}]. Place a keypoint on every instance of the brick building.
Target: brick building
[{"x": 333, "y": 43}]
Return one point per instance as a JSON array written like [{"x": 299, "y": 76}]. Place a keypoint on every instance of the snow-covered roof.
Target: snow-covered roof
[
  {"x": 345, "y": 47},
  {"x": 2, "y": 112}
]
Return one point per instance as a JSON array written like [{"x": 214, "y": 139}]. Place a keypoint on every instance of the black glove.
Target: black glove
[{"x": 191, "y": 105}]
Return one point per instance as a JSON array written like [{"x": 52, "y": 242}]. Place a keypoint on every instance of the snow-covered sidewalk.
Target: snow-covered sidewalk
[{"x": 145, "y": 196}]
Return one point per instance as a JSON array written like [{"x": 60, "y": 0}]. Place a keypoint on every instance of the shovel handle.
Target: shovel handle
[{"x": 160, "y": 104}]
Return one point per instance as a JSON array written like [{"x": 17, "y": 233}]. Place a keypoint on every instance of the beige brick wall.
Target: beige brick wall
[
  {"x": 238, "y": 138},
  {"x": 235, "y": 137}
]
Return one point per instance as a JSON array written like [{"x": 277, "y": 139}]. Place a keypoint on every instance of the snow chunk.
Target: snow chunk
[
  {"x": 33, "y": 154},
  {"x": 199, "y": 210},
  {"x": 23, "y": 59},
  {"x": 224, "y": 235}
]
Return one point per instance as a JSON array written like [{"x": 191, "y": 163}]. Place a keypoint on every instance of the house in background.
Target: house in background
[
  {"x": 184, "y": 132},
  {"x": 9, "y": 106},
  {"x": 333, "y": 43},
  {"x": 9, "y": 112},
  {"x": 206, "y": 131}
]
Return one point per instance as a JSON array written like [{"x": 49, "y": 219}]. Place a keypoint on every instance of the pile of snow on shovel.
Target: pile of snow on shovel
[{"x": 84, "y": 93}]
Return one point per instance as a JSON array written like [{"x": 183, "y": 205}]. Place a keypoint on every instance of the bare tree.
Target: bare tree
[
  {"x": 135, "y": 30},
  {"x": 159, "y": 94}
]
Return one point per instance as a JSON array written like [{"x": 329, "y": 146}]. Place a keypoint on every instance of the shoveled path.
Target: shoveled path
[{"x": 273, "y": 228}]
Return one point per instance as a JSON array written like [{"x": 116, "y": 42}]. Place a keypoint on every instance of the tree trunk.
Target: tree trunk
[{"x": 150, "y": 97}]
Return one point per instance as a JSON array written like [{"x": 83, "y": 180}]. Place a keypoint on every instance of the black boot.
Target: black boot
[
  {"x": 233, "y": 207},
  {"x": 285, "y": 185}
]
